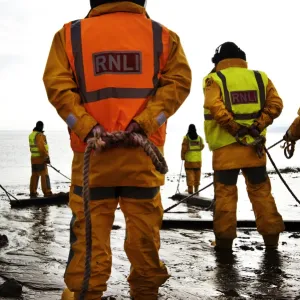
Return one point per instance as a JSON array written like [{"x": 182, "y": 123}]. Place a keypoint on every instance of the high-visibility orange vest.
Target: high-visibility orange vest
[{"x": 117, "y": 59}]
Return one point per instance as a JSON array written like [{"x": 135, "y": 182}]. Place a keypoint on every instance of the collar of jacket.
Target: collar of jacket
[
  {"x": 231, "y": 63},
  {"x": 35, "y": 129},
  {"x": 116, "y": 7}
]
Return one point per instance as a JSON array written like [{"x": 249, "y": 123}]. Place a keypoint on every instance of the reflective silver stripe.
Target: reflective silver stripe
[
  {"x": 158, "y": 50},
  {"x": 117, "y": 93},
  {"x": 133, "y": 192},
  {"x": 112, "y": 92},
  {"x": 226, "y": 92},
  {"x": 78, "y": 58},
  {"x": 262, "y": 96},
  {"x": 208, "y": 117},
  {"x": 261, "y": 87},
  {"x": 247, "y": 116}
]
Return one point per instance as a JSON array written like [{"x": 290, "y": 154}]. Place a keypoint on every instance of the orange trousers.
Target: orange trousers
[
  {"x": 269, "y": 222},
  {"x": 193, "y": 179},
  {"x": 143, "y": 215},
  {"x": 40, "y": 170}
]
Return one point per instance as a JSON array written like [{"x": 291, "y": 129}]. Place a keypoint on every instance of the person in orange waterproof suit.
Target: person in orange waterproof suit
[
  {"x": 293, "y": 133},
  {"x": 39, "y": 160},
  {"x": 191, "y": 148},
  {"x": 132, "y": 74},
  {"x": 227, "y": 116}
]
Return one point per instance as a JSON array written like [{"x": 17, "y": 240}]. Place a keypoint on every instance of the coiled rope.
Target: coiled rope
[
  {"x": 99, "y": 143},
  {"x": 289, "y": 148},
  {"x": 257, "y": 144}
]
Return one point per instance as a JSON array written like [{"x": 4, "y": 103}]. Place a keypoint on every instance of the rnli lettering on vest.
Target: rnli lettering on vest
[
  {"x": 193, "y": 143},
  {"x": 117, "y": 62},
  {"x": 244, "y": 97}
]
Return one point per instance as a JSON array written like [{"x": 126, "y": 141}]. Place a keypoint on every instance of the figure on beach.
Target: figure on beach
[
  {"x": 191, "y": 148},
  {"x": 39, "y": 159}
]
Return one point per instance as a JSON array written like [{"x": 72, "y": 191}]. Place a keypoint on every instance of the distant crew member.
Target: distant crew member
[
  {"x": 191, "y": 148},
  {"x": 39, "y": 160}
]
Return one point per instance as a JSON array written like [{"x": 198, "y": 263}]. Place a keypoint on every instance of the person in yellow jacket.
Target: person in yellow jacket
[
  {"x": 39, "y": 160},
  {"x": 117, "y": 70},
  {"x": 239, "y": 105},
  {"x": 191, "y": 148}
]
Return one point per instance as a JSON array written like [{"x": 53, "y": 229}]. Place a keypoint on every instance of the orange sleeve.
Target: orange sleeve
[
  {"x": 213, "y": 101},
  {"x": 272, "y": 109},
  {"x": 184, "y": 148},
  {"x": 294, "y": 129},
  {"x": 40, "y": 142}
]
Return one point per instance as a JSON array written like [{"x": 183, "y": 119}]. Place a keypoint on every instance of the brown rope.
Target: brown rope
[
  {"x": 257, "y": 144},
  {"x": 101, "y": 143},
  {"x": 289, "y": 148}
]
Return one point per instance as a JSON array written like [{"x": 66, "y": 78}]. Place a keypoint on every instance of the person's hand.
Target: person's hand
[
  {"x": 47, "y": 161},
  {"x": 289, "y": 138},
  {"x": 286, "y": 136},
  {"x": 254, "y": 131},
  {"x": 242, "y": 131},
  {"x": 134, "y": 127}
]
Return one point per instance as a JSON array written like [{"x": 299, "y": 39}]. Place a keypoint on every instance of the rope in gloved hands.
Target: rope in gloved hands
[
  {"x": 257, "y": 144},
  {"x": 99, "y": 143}
]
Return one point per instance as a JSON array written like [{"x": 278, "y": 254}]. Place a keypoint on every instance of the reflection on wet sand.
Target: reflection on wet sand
[
  {"x": 270, "y": 275},
  {"x": 227, "y": 277}
]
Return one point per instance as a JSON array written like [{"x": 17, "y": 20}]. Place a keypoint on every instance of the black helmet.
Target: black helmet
[
  {"x": 228, "y": 50},
  {"x": 95, "y": 3},
  {"x": 39, "y": 125}
]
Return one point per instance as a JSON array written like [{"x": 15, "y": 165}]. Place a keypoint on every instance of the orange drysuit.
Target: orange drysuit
[
  {"x": 126, "y": 67},
  {"x": 228, "y": 160},
  {"x": 39, "y": 168}
]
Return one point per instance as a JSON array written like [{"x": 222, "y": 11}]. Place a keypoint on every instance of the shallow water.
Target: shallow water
[
  {"x": 38, "y": 249},
  {"x": 39, "y": 239}
]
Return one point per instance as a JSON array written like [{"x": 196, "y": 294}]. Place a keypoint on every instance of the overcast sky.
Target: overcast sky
[{"x": 267, "y": 30}]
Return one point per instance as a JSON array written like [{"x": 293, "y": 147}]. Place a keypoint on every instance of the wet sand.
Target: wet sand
[{"x": 38, "y": 249}]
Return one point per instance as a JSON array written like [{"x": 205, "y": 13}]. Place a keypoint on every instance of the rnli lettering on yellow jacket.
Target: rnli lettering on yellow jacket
[
  {"x": 244, "y": 95},
  {"x": 116, "y": 76},
  {"x": 194, "y": 150}
]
